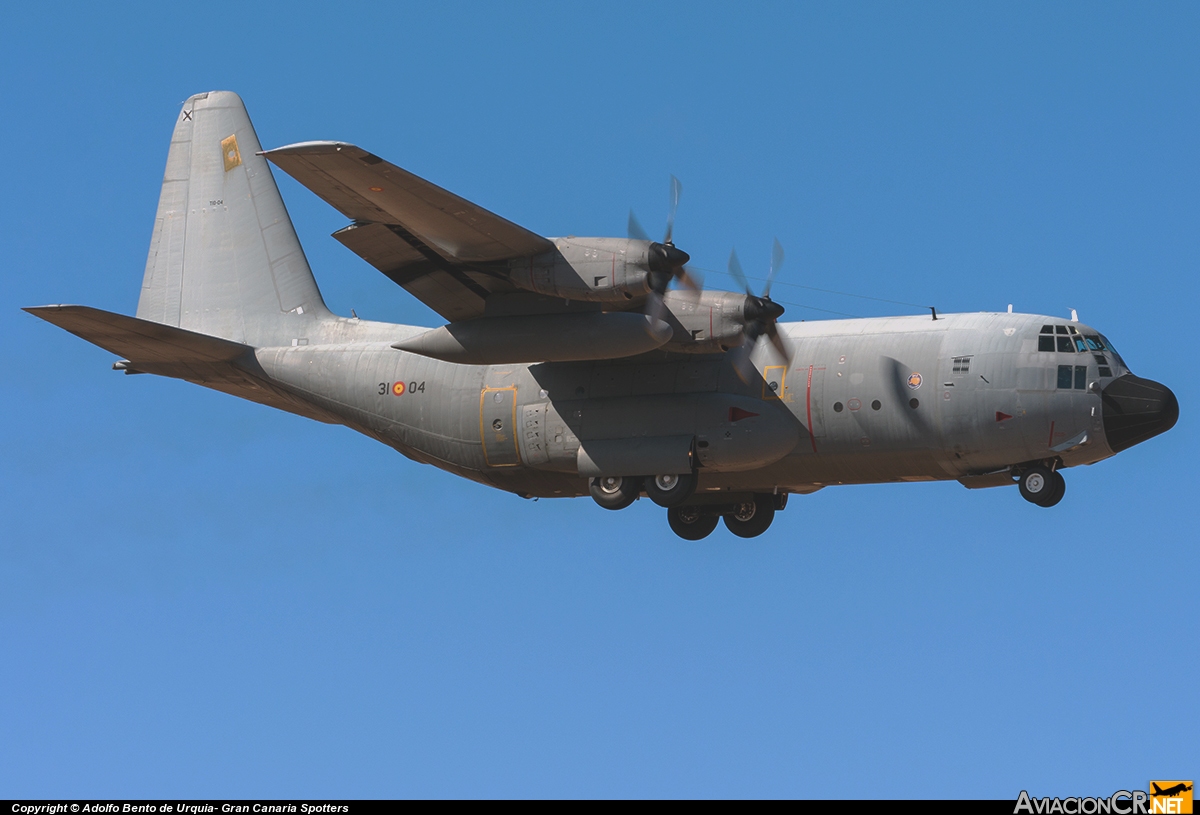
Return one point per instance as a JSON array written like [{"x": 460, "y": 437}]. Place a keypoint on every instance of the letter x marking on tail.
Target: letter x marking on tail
[{"x": 187, "y": 115}]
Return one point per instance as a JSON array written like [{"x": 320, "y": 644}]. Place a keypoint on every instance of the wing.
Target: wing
[{"x": 448, "y": 252}]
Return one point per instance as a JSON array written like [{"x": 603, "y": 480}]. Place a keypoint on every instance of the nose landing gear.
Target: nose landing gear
[{"x": 1042, "y": 486}]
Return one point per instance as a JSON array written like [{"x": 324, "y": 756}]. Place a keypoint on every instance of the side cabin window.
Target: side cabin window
[
  {"x": 961, "y": 365},
  {"x": 1072, "y": 377}
]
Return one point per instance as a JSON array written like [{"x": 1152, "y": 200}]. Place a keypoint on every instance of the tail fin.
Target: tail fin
[{"x": 224, "y": 259}]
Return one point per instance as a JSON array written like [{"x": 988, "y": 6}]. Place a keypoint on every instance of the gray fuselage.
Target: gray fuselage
[{"x": 862, "y": 401}]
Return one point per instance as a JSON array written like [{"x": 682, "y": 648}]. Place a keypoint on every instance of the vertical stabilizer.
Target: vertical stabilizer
[{"x": 224, "y": 259}]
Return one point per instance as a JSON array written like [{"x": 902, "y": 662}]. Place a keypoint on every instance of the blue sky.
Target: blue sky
[{"x": 202, "y": 597}]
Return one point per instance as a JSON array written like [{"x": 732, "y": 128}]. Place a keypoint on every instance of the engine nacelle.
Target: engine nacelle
[
  {"x": 541, "y": 338},
  {"x": 598, "y": 270},
  {"x": 710, "y": 323}
]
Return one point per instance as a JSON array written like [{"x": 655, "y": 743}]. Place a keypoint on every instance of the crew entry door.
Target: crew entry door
[{"x": 498, "y": 426}]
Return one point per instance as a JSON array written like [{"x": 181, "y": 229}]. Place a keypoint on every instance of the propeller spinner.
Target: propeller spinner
[
  {"x": 760, "y": 313},
  {"x": 666, "y": 262}
]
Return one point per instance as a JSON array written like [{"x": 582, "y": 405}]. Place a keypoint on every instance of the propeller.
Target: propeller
[
  {"x": 666, "y": 262},
  {"x": 760, "y": 314}
]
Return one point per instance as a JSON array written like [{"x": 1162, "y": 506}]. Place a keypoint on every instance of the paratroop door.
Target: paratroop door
[{"x": 498, "y": 426}]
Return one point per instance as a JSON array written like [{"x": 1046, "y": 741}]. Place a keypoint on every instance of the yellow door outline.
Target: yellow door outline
[
  {"x": 512, "y": 426},
  {"x": 767, "y": 392}
]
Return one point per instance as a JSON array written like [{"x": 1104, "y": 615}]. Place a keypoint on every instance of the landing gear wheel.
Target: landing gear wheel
[
  {"x": 1040, "y": 486},
  {"x": 751, "y": 518},
  {"x": 690, "y": 523},
  {"x": 1059, "y": 490},
  {"x": 614, "y": 491},
  {"x": 670, "y": 490}
]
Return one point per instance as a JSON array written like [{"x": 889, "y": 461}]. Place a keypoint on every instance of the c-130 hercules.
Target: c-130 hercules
[{"x": 568, "y": 368}]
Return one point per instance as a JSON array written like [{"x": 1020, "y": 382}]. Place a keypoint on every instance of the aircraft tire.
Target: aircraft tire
[
  {"x": 1037, "y": 484},
  {"x": 690, "y": 523},
  {"x": 615, "y": 492},
  {"x": 751, "y": 519},
  {"x": 1059, "y": 489},
  {"x": 670, "y": 490}
]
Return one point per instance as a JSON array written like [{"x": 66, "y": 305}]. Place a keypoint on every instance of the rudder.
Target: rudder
[{"x": 224, "y": 258}]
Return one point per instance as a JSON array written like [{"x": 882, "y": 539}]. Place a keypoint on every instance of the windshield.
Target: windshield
[{"x": 1106, "y": 345}]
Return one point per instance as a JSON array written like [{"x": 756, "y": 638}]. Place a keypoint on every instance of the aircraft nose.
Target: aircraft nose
[{"x": 1136, "y": 409}]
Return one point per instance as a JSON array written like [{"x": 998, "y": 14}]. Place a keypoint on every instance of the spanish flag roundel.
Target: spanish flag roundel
[{"x": 398, "y": 389}]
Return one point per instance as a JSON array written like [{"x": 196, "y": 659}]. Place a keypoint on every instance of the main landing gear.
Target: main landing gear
[
  {"x": 747, "y": 516},
  {"x": 614, "y": 491},
  {"x": 1041, "y": 485},
  {"x": 618, "y": 492}
]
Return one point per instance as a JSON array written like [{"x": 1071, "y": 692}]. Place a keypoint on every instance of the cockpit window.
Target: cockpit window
[
  {"x": 1066, "y": 339},
  {"x": 1103, "y": 339},
  {"x": 1062, "y": 338}
]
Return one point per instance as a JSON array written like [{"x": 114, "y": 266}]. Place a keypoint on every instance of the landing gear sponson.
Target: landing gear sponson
[{"x": 746, "y": 516}]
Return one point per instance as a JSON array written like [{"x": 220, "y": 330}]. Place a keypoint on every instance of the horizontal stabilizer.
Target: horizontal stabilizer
[
  {"x": 140, "y": 340},
  {"x": 154, "y": 348}
]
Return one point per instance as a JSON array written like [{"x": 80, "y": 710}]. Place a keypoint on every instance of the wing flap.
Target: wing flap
[
  {"x": 444, "y": 287},
  {"x": 365, "y": 188}
]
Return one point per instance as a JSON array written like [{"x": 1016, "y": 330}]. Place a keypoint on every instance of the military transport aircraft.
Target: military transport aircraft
[
  {"x": 1169, "y": 792},
  {"x": 575, "y": 366}
]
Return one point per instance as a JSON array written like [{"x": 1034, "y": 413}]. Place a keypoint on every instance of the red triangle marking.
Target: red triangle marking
[
  {"x": 1002, "y": 416},
  {"x": 736, "y": 414}
]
